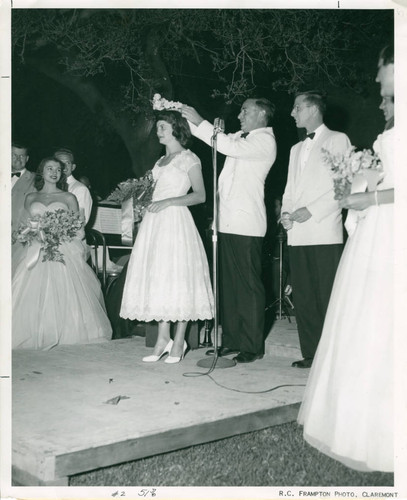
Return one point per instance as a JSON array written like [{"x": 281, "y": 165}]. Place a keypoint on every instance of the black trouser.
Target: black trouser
[
  {"x": 241, "y": 290},
  {"x": 313, "y": 270}
]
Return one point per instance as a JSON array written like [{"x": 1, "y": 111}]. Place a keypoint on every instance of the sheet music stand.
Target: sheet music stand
[{"x": 106, "y": 233}]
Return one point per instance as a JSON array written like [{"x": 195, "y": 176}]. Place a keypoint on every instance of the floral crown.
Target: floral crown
[{"x": 160, "y": 103}]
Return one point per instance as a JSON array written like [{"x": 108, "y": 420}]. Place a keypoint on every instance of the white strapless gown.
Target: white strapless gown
[
  {"x": 347, "y": 409},
  {"x": 55, "y": 303}
]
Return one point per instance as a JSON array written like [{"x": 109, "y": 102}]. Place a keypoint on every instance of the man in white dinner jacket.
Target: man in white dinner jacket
[
  {"x": 313, "y": 220},
  {"x": 75, "y": 187},
  {"x": 250, "y": 153}
]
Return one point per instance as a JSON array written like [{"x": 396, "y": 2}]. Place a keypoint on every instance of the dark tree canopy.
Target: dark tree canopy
[{"x": 115, "y": 60}]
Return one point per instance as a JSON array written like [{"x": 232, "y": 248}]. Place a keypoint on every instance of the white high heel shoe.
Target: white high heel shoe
[
  {"x": 153, "y": 358},
  {"x": 176, "y": 359}
]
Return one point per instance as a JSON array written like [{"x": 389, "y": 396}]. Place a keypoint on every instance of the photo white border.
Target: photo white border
[{"x": 8, "y": 491}]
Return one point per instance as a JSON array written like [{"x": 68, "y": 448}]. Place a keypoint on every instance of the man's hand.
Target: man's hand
[
  {"x": 286, "y": 221},
  {"x": 301, "y": 215},
  {"x": 191, "y": 114}
]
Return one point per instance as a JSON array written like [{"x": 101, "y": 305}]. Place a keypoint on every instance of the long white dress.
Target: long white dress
[
  {"x": 56, "y": 303},
  {"x": 347, "y": 410},
  {"x": 168, "y": 275}
]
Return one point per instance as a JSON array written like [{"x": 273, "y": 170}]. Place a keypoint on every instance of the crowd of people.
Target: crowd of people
[{"x": 336, "y": 291}]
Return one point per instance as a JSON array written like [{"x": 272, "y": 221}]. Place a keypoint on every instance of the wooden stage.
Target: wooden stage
[{"x": 79, "y": 408}]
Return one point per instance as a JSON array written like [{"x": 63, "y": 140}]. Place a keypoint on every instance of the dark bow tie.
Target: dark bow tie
[
  {"x": 15, "y": 173},
  {"x": 309, "y": 136},
  {"x": 244, "y": 135}
]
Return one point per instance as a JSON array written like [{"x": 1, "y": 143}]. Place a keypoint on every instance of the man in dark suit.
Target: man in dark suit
[{"x": 22, "y": 183}]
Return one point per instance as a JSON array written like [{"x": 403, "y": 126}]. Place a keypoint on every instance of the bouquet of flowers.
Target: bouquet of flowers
[
  {"x": 140, "y": 190},
  {"x": 345, "y": 166},
  {"x": 48, "y": 231},
  {"x": 159, "y": 103}
]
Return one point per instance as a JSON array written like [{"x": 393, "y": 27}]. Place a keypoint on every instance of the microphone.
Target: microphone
[{"x": 218, "y": 126}]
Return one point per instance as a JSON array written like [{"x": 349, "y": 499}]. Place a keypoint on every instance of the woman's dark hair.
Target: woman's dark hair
[
  {"x": 180, "y": 127},
  {"x": 39, "y": 174},
  {"x": 387, "y": 54},
  {"x": 316, "y": 98}
]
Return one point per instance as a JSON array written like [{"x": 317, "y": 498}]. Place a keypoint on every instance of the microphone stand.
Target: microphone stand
[{"x": 215, "y": 361}]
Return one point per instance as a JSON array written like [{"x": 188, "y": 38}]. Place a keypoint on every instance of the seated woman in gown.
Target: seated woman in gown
[
  {"x": 168, "y": 275},
  {"x": 55, "y": 302}
]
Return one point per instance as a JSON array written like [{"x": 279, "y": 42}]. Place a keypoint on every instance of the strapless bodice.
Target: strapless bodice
[{"x": 38, "y": 208}]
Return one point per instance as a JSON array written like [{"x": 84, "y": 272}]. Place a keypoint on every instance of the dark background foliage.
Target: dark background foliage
[{"x": 84, "y": 78}]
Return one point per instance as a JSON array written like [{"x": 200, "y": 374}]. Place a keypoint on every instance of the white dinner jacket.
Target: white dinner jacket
[
  {"x": 241, "y": 183},
  {"x": 83, "y": 196},
  {"x": 312, "y": 187}
]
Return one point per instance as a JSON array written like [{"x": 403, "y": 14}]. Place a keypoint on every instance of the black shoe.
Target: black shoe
[
  {"x": 303, "y": 363},
  {"x": 247, "y": 357},
  {"x": 222, "y": 351}
]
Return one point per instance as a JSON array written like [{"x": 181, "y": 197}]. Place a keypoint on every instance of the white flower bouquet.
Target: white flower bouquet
[
  {"x": 49, "y": 231},
  {"x": 139, "y": 190},
  {"x": 346, "y": 166}
]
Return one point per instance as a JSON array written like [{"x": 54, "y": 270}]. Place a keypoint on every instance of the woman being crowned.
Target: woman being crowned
[
  {"x": 57, "y": 298},
  {"x": 168, "y": 276}
]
